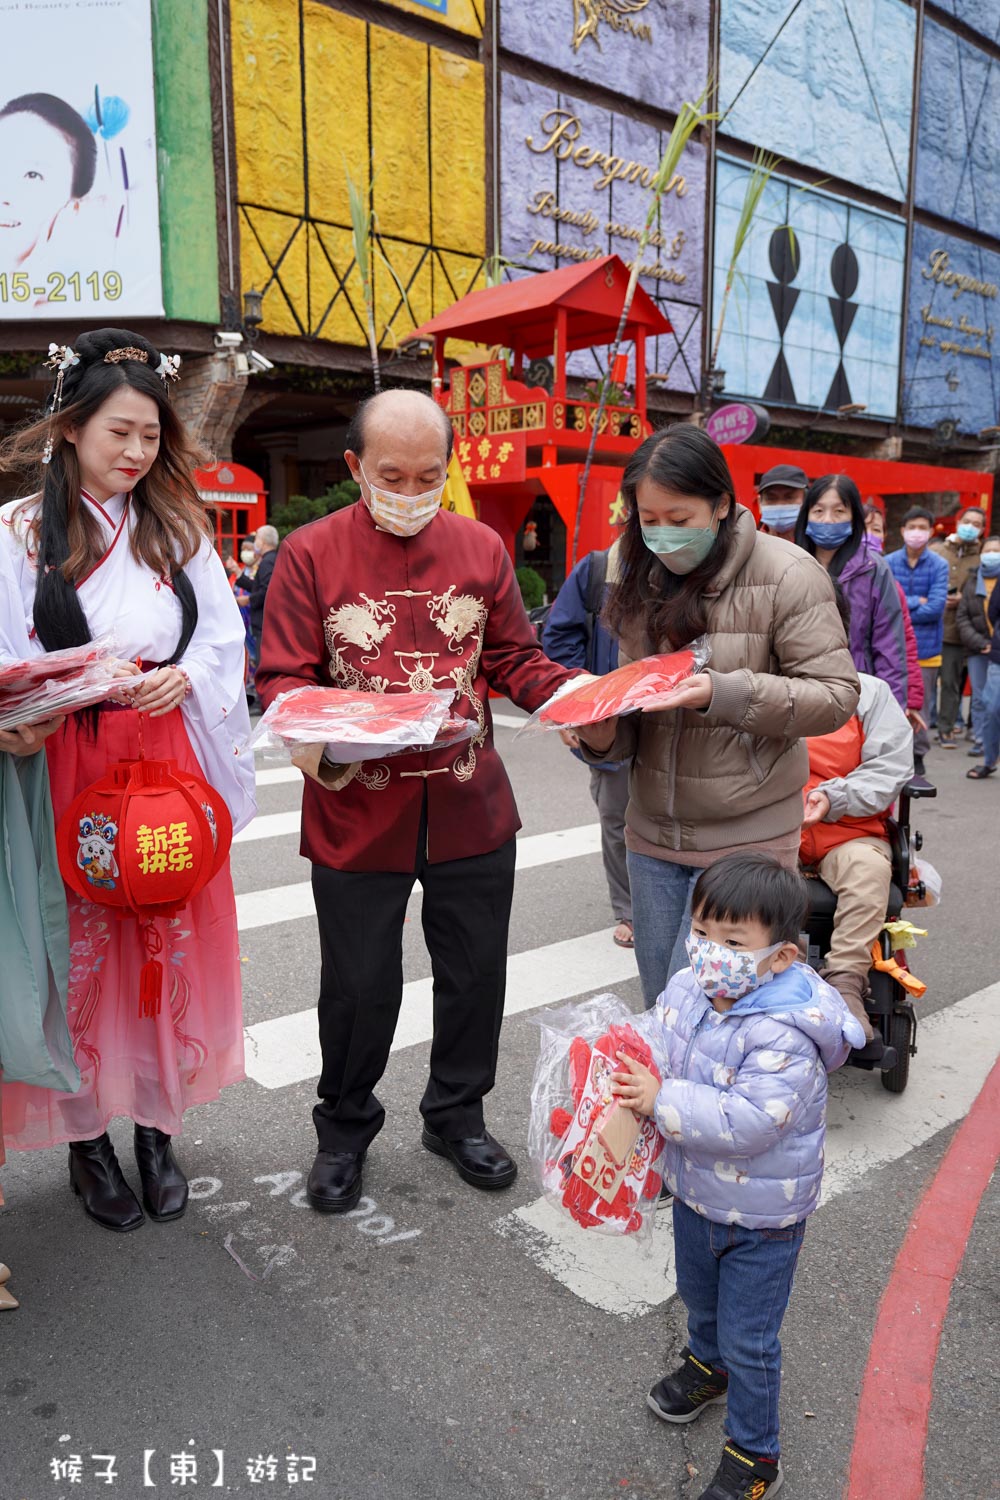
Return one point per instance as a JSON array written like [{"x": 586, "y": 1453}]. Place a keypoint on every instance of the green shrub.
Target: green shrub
[
  {"x": 299, "y": 509},
  {"x": 532, "y": 586}
]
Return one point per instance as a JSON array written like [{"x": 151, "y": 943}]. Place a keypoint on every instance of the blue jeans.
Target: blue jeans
[
  {"x": 661, "y": 914},
  {"x": 735, "y": 1284},
  {"x": 977, "y": 665},
  {"x": 991, "y": 717}
]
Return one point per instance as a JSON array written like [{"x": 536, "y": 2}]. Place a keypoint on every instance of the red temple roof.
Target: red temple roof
[{"x": 521, "y": 314}]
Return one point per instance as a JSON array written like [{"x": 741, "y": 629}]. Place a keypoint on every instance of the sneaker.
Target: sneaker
[
  {"x": 682, "y": 1396},
  {"x": 665, "y": 1199},
  {"x": 976, "y": 749},
  {"x": 742, "y": 1477},
  {"x": 948, "y": 741}
]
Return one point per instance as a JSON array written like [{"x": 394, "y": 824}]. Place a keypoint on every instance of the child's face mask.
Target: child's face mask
[{"x": 727, "y": 973}]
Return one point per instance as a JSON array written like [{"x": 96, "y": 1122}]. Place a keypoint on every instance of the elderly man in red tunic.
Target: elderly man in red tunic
[{"x": 394, "y": 595}]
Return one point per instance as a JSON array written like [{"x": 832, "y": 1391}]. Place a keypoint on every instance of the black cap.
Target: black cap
[{"x": 784, "y": 474}]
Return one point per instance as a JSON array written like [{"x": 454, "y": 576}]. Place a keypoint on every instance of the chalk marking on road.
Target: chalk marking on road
[
  {"x": 867, "y": 1129},
  {"x": 286, "y": 903},
  {"x": 286, "y": 1050}
]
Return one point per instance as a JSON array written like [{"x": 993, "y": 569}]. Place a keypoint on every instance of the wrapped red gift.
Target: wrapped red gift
[
  {"x": 644, "y": 684},
  {"x": 59, "y": 682},
  {"x": 596, "y": 1159},
  {"x": 362, "y": 726}
]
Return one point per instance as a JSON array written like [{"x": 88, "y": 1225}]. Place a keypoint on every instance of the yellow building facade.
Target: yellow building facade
[{"x": 321, "y": 98}]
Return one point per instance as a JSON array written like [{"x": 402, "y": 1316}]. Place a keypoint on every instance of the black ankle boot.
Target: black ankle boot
[
  {"x": 164, "y": 1186},
  {"x": 96, "y": 1178}
]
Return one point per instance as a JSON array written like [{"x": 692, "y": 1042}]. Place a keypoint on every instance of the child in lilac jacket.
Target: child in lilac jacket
[{"x": 743, "y": 1041}]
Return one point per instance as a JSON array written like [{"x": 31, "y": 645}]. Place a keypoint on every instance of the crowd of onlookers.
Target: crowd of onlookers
[{"x": 258, "y": 555}]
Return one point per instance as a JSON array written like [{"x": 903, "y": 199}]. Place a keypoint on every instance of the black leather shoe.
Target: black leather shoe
[
  {"x": 96, "y": 1178},
  {"x": 164, "y": 1186},
  {"x": 334, "y": 1184},
  {"x": 479, "y": 1159}
]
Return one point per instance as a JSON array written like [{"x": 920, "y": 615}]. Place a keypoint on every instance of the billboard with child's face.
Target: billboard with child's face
[{"x": 79, "y": 210}]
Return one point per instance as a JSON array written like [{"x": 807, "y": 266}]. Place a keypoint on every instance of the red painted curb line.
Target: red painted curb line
[{"x": 891, "y": 1432}]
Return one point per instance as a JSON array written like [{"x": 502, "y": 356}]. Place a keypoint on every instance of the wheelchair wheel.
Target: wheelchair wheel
[{"x": 900, "y": 1036}]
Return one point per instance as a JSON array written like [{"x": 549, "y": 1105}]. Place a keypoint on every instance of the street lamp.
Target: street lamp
[{"x": 253, "y": 313}]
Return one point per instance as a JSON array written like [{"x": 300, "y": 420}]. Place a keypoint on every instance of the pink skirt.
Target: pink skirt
[{"x": 150, "y": 1069}]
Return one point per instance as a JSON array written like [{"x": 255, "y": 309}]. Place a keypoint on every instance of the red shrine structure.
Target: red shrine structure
[{"x": 517, "y": 441}]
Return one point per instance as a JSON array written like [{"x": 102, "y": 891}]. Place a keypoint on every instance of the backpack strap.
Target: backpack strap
[{"x": 597, "y": 573}]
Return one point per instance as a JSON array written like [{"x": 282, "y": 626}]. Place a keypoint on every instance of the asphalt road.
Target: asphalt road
[{"x": 439, "y": 1345}]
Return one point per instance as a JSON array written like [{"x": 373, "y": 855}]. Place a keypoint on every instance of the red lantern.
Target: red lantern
[{"x": 145, "y": 838}]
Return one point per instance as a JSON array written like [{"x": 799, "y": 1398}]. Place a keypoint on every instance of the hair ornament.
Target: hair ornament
[
  {"x": 61, "y": 358},
  {"x": 116, "y": 356},
  {"x": 169, "y": 367}
]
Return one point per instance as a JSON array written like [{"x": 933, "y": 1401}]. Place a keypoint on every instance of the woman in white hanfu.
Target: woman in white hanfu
[{"x": 117, "y": 542}]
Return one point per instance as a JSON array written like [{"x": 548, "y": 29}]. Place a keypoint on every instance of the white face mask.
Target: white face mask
[{"x": 403, "y": 515}]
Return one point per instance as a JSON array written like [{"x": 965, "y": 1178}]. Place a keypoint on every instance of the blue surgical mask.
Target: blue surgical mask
[
  {"x": 966, "y": 532},
  {"x": 779, "y": 518},
  {"x": 680, "y": 548},
  {"x": 990, "y": 564},
  {"x": 829, "y": 534}
]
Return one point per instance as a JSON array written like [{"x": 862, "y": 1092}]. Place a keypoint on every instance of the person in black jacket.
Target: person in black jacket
[
  {"x": 978, "y": 621},
  {"x": 974, "y": 631},
  {"x": 265, "y": 546}
]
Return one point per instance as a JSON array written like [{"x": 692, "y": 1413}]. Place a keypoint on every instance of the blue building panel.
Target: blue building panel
[
  {"x": 958, "y": 139},
  {"x": 826, "y": 84},
  {"x": 952, "y": 365},
  {"x": 814, "y": 318}
]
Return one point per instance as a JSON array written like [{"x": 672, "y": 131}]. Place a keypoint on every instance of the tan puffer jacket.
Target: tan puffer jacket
[{"x": 780, "y": 669}]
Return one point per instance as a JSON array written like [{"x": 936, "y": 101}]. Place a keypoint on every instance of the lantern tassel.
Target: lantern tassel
[
  {"x": 151, "y": 974},
  {"x": 150, "y": 988}
]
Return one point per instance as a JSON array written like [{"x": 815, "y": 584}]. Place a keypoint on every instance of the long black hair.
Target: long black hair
[
  {"x": 851, "y": 496},
  {"x": 670, "y": 608},
  {"x": 169, "y": 523}
]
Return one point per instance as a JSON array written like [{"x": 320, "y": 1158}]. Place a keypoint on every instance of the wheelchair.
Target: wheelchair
[{"x": 889, "y": 1007}]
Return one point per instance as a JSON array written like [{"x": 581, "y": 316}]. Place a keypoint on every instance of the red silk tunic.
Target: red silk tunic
[{"x": 355, "y": 607}]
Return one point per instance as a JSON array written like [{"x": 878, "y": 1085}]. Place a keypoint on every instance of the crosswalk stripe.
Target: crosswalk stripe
[
  {"x": 269, "y": 825},
  {"x": 867, "y": 1128},
  {"x": 285, "y": 903},
  {"x": 276, "y": 775},
  {"x": 286, "y": 1050}
]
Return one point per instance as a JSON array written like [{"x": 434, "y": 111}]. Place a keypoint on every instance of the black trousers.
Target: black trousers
[{"x": 466, "y": 915}]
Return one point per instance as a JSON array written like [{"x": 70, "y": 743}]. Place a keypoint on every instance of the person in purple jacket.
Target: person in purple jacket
[
  {"x": 831, "y": 526},
  {"x": 743, "y": 1040}
]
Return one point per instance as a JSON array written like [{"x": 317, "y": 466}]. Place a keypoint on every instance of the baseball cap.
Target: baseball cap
[{"x": 784, "y": 474}]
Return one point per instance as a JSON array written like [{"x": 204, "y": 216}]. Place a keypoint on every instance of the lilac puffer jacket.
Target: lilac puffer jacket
[
  {"x": 878, "y": 635},
  {"x": 743, "y": 1102}
]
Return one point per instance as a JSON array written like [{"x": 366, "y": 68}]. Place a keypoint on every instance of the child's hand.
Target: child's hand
[
  {"x": 817, "y": 808},
  {"x": 637, "y": 1086}
]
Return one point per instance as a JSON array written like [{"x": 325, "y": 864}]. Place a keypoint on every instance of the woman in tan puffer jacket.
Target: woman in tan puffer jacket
[{"x": 723, "y": 768}]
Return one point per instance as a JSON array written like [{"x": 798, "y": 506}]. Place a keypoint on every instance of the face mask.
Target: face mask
[
  {"x": 680, "y": 548},
  {"x": 829, "y": 534},
  {"x": 967, "y": 532},
  {"x": 916, "y": 538},
  {"x": 725, "y": 973},
  {"x": 779, "y": 517},
  {"x": 990, "y": 564},
  {"x": 403, "y": 515},
  {"x": 875, "y": 542},
  {"x": 246, "y": 558}
]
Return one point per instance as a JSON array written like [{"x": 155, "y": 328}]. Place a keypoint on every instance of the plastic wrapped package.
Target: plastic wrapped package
[
  {"x": 594, "y": 1158},
  {"x": 644, "y": 684},
  {"x": 357, "y": 726},
  {"x": 923, "y": 870},
  {"x": 60, "y": 681}
]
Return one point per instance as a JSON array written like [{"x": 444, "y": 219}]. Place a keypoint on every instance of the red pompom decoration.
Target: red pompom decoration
[{"x": 145, "y": 839}]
